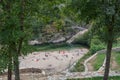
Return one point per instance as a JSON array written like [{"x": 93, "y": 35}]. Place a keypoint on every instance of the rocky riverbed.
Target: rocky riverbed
[{"x": 52, "y": 61}]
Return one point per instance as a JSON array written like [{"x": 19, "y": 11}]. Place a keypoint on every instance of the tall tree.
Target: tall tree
[
  {"x": 7, "y": 10},
  {"x": 20, "y": 41},
  {"x": 105, "y": 14},
  {"x": 14, "y": 31},
  {"x": 23, "y": 16},
  {"x": 16, "y": 24}
]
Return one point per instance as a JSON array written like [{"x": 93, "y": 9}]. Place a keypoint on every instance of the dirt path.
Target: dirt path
[
  {"x": 101, "y": 69},
  {"x": 61, "y": 76},
  {"x": 90, "y": 67},
  {"x": 86, "y": 62}
]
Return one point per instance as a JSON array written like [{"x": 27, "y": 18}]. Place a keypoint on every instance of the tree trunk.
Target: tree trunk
[
  {"x": 9, "y": 73},
  {"x": 10, "y": 67},
  {"x": 109, "y": 48},
  {"x": 15, "y": 61},
  {"x": 16, "y": 66},
  {"x": 108, "y": 56}
]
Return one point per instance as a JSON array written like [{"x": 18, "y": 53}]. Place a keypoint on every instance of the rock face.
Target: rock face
[
  {"x": 33, "y": 42},
  {"x": 59, "y": 40},
  {"x": 76, "y": 35},
  {"x": 51, "y": 35}
]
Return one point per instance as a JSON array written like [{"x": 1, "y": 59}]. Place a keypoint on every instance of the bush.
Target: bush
[
  {"x": 79, "y": 67},
  {"x": 96, "y": 45}
]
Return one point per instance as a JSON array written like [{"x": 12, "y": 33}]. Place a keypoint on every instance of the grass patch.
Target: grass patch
[
  {"x": 117, "y": 57},
  {"x": 97, "y": 63},
  {"x": 99, "y": 78},
  {"x": 117, "y": 43},
  {"x": 116, "y": 63},
  {"x": 79, "y": 67}
]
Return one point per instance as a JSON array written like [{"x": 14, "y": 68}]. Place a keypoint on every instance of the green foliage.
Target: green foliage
[
  {"x": 117, "y": 57},
  {"x": 14, "y": 30},
  {"x": 115, "y": 61},
  {"x": 98, "y": 62},
  {"x": 3, "y": 58},
  {"x": 96, "y": 45},
  {"x": 117, "y": 43},
  {"x": 79, "y": 67},
  {"x": 101, "y": 14},
  {"x": 50, "y": 13},
  {"x": 3, "y": 62}
]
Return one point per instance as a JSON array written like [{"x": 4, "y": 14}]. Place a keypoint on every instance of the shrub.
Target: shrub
[{"x": 96, "y": 45}]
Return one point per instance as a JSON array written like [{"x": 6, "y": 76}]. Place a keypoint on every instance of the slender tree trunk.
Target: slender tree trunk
[
  {"x": 10, "y": 67},
  {"x": 16, "y": 67},
  {"x": 109, "y": 47},
  {"x": 108, "y": 56},
  {"x": 9, "y": 72},
  {"x": 15, "y": 61}
]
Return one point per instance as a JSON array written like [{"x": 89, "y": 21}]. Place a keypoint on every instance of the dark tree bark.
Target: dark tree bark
[
  {"x": 16, "y": 67},
  {"x": 110, "y": 42},
  {"x": 109, "y": 47},
  {"x": 10, "y": 67},
  {"x": 15, "y": 61},
  {"x": 108, "y": 56},
  {"x": 9, "y": 72}
]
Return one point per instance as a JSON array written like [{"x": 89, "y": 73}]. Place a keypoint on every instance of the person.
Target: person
[
  {"x": 50, "y": 65},
  {"x": 66, "y": 56},
  {"x": 81, "y": 50},
  {"x": 63, "y": 52},
  {"x": 55, "y": 57},
  {"x": 46, "y": 55},
  {"x": 78, "y": 54},
  {"x": 72, "y": 57},
  {"x": 59, "y": 51},
  {"x": 37, "y": 60},
  {"x": 44, "y": 59}
]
